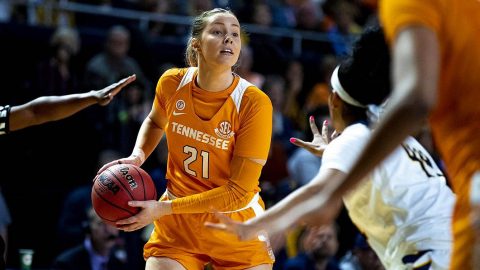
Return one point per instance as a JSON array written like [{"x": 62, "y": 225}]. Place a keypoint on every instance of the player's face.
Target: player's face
[{"x": 220, "y": 43}]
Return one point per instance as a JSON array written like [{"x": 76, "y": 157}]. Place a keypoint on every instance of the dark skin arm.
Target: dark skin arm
[{"x": 52, "y": 108}]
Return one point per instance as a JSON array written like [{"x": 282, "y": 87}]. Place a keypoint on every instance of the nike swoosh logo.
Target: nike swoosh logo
[{"x": 177, "y": 113}]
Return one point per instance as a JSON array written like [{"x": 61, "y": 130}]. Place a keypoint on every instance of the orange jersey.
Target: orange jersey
[
  {"x": 455, "y": 121},
  {"x": 206, "y": 129}
]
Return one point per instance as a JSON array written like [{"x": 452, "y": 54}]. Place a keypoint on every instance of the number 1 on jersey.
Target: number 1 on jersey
[{"x": 193, "y": 152}]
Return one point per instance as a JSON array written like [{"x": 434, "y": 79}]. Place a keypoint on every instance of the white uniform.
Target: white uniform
[{"x": 403, "y": 207}]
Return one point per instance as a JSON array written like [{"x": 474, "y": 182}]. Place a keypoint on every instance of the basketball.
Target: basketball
[{"x": 116, "y": 186}]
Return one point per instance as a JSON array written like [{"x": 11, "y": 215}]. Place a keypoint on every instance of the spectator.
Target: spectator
[
  {"x": 57, "y": 75},
  {"x": 361, "y": 257},
  {"x": 114, "y": 62},
  {"x": 99, "y": 250},
  {"x": 319, "y": 245},
  {"x": 108, "y": 66}
]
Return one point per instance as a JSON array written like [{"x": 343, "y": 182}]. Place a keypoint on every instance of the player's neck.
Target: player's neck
[{"x": 214, "y": 80}]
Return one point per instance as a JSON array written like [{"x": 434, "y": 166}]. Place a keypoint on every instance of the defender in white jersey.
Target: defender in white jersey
[{"x": 404, "y": 207}]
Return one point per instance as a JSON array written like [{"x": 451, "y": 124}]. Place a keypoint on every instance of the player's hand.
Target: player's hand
[
  {"x": 135, "y": 160},
  {"x": 106, "y": 95},
  {"x": 319, "y": 142},
  {"x": 151, "y": 210},
  {"x": 243, "y": 230}
]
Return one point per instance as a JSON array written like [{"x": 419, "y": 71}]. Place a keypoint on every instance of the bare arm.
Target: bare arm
[
  {"x": 415, "y": 66},
  {"x": 52, "y": 108},
  {"x": 306, "y": 204},
  {"x": 150, "y": 132}
]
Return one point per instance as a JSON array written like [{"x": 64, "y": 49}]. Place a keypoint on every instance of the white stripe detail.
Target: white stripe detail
[
  {"x": 337, "y": 88},
  {"x": 238, "y": 92},
  {"x": 254, "y": 204},
  {"x": 187, "y": 77},
  {"x": 475, "y": 189}
]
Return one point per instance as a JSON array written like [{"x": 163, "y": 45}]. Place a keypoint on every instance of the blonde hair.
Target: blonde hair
[
  {"x": 198, "y": 25},
  {"x": 66, "y": 36}
]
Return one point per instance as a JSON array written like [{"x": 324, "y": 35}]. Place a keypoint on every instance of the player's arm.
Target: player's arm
[
  {"x": 52, "y": 108},
  {"x": 306, "y": 204},
  {"x": 415, "y": 67},
  {"x": 149, "y": 135},
  {"x": 151, "y": 130},
  {"x": 235, "y": 195}
]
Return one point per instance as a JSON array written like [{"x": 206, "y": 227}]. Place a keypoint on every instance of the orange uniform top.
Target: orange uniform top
[
  {"x": 204, "y": 131},
  {"x": 455, "y": 120}
]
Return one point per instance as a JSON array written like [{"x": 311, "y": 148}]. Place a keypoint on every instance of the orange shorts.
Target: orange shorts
[{"x": 184, "y": 238}]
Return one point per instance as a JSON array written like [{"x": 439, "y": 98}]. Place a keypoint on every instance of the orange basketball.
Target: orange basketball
[{"x": 116, "y": 186}]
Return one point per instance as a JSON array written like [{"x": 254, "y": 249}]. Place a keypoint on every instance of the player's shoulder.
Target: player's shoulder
[
  {"x": 175, "y": 74},
  {"x": 170, "y": 79},
  {"x": 255, "y": 95},
  {"x": 353, "y": 135}
]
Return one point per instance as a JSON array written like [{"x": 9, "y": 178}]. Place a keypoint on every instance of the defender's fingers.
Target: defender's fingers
[
  {"x": 325, "y": 131},
  {"x": 313, "y": 126},
  {"x": 216, "y": 226},
  {"x": 299, "y": 142}
]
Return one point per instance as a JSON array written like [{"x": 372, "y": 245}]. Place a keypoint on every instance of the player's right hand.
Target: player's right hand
[{"x": 135, "y": 160}]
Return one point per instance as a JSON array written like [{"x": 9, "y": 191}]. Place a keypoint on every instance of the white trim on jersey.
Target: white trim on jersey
[
  {"x": 187, "y": 77},
  {"x": 237, "y": 94}
]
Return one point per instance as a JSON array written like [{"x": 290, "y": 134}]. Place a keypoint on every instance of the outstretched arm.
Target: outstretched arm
[
  {"x": 309, "y": 204},
  {"x": 52, "y": 108},
  {"x": 415, "y": 67}
]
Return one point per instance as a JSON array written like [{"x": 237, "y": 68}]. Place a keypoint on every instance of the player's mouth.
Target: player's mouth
[{"x": 226, "y": 52}]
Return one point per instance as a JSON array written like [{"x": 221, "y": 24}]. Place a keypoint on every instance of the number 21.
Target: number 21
[{"x": 193, "y": 152}]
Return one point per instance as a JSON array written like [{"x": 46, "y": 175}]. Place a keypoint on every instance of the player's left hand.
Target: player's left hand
[
  {"x": 106, "y": 95},
  {"x": 151, "y": 210},
  {"x": 243, "y": 230}
]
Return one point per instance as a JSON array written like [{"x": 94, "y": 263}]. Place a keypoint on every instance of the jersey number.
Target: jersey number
[
  {"x": 426, "y": 163},
  {"x": 193, "y": 157}
]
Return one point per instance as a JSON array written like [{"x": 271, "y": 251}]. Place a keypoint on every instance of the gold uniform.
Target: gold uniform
[{"x": 205, "y": 131}]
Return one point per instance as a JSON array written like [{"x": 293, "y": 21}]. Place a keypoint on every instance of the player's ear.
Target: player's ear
[{"x": 335, "y": 100}]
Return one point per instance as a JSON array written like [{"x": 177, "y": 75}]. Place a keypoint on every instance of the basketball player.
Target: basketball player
[
  {"x": 404, "y": 206},
  {"x": 46, "y": 109},
  {"x": 218, "y": 128}
]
